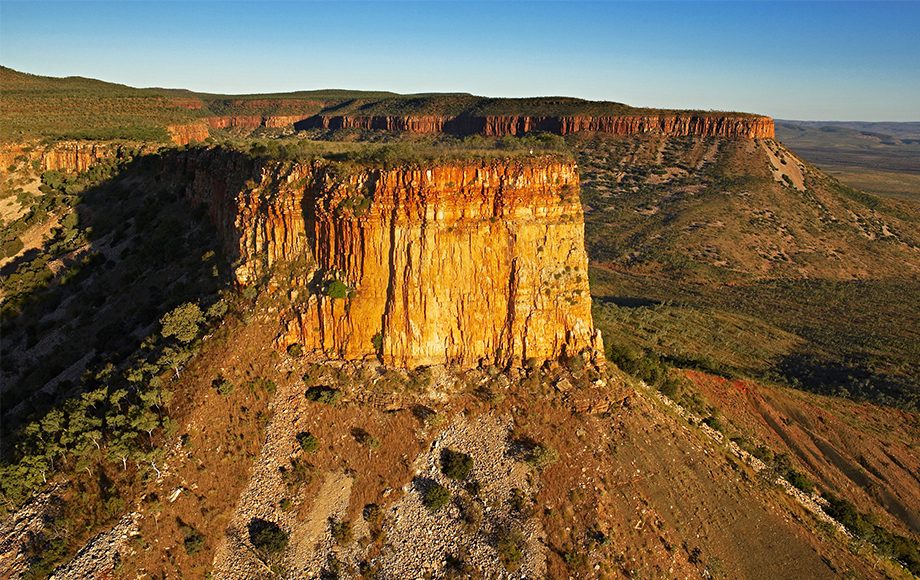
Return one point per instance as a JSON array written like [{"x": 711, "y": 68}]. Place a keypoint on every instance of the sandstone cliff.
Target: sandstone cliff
[
  {"x": 70, "y": 156},
  {"x": 722, "y": 125},
  {"x": 725, "y": 126},
  {"x": 454, "y": 263},
  {"x": 200, "y": 130},
  {"x": 188, "y": 133}
]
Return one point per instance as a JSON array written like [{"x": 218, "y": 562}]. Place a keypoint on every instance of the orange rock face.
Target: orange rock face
[
  {"x": 453, "y": 264},
  {"x": 186, "y": 134},
  {"x": 68, "y": 156},
  {"x": 254, "y": 121},
  {"x": 725, "y": 126}
]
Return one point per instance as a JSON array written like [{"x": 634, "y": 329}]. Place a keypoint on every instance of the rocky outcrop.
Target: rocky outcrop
[
  {"x": 254, "y": 121},
  {"x": 392, "y": 123},
  {"x": 69, "y": 156},
  {"x": 201, "y": 130},
  {"x": 455, "y": 263},
  {"x": 235, "y": 122},
  {"x": 282, "y": 121},
  {"x": 678, "y": 124},
  {"x": 188, "y": 133}
]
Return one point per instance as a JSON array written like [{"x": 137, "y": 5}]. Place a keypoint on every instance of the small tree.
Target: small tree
[
  {"x": 341, "y": 531},
  {"x": 192, "y": 539},
  {"x": 325, "y": 395},
  {"x": 297, "y": 474},
  {"x": 267, "y": 537},
  {"x": 509, "y": 544},
  {"x": 307, "y": 441},
  {"x": 456, "y": 465},
  {"x": 183, "y": 322},
  {"x": 435, "y": 496},
  {"x": 223, "y": 386}
]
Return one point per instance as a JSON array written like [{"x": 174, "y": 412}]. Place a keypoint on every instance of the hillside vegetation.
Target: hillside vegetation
[{"x": 74, "y": 107}]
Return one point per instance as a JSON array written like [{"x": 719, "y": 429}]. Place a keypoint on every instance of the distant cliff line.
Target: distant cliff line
[{"x": 726, "y": 126}]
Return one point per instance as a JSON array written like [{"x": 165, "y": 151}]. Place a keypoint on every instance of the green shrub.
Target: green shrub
[
  {"x": 341, "y": 531},
  {"x": 357, "y": 205},
  {"x": 574, "y": 363},
  {"x": 324, "y": 395},
  {"x": 218, "y": 310},
  {"x": 297, "y": 474},
  {"x": 782, "y": 464},
  {"x": 377, "y": 342},
  {"x": 365, "y": 438},
  {"x": 307, "y": 441},
  {"x": 192, "y": 540},
  {"x": 456, "y": 465},
  {"x": 898, "y": 548},
  {"x": 11, "y": 247},
  {"x": 295, "y": 350},
  {"x": 714, "y": 423},
  {"x": 509, "y": 544},
  {"x": 517, "y": 501},
  {"x": 670, "y": 387},
  {"x": 800, "y": 481},
  {"x": 336, "y": 289},
  {"x": 267, "y": 537},
  {"x": 262, "y": 384},
  {"x": 435, "y": 496},
  {"x": 250, "y": 292},
  {"x": 763, "y": 453},
  {"x": 538, "y": 455},
  {"x": 372, "y": 514},
  {"x": 223, "y": 386}
]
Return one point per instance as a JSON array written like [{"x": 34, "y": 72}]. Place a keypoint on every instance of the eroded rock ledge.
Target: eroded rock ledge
[
  {"x": 456, "y": 263},
  {"x": 727, "y": 126}
]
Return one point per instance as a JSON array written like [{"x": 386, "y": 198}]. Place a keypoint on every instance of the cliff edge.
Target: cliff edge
[{"x": 458, "y": 263}]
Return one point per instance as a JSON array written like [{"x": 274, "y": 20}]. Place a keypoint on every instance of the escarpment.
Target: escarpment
[
  {"x": 723, "y": 126},
  {"x": 456, "y": 263}
]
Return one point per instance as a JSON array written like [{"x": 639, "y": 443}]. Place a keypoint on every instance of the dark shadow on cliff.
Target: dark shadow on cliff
[{"x": 88, "y": 298}]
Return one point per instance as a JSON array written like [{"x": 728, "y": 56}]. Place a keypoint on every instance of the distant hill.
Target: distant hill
[
  {"x": 882, "y": 158},
  {"x": 75, "y": 107}
]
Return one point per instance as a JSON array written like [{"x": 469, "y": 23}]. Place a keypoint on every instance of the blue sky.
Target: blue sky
[{"x": 824, "y": 60}]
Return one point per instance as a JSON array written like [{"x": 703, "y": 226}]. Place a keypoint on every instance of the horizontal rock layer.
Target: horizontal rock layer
[
  {"x": 449, "y": 264},
  {"x": 723, "y": 126},
  {"x": 726, "y": 126}
]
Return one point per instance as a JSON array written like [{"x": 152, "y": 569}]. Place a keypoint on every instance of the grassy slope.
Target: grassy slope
[{"x": 856, "y": 450}]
